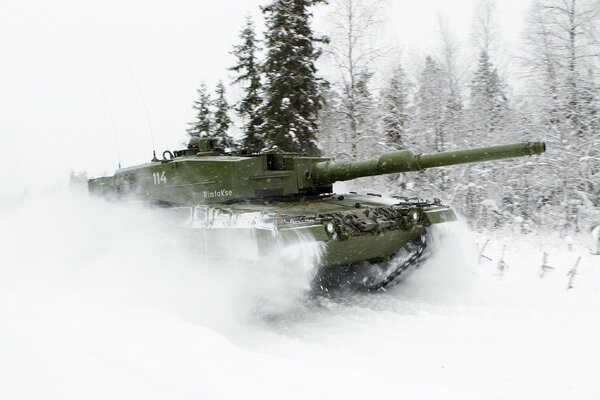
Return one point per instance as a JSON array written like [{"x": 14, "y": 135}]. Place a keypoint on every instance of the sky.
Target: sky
[{"x": 76, "y": 78}]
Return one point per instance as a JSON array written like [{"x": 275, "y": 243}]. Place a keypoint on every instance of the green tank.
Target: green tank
[{"x": 248, "y": 203}]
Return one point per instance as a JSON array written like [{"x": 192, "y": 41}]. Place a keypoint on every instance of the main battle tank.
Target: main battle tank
[{"x": 247, "y": 203}]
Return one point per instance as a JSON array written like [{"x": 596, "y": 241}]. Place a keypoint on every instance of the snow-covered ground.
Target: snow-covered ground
[{"x": 105, "y": 301}]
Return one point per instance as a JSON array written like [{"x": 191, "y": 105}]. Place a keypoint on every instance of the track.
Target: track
[
  {"x": 400, "y": 265},
  {"x": 373, "y": 277}
]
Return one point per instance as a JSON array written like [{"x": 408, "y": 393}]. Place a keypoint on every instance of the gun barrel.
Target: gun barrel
[{"x": 327, "y": 172}]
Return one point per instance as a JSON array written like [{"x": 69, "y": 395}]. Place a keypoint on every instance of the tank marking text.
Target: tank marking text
[
  {"x": 211, "y": 194},
  {"x": 159, "y": 178}
]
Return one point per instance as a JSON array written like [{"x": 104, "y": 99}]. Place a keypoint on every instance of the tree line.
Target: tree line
[
  {"x": 281, "y": 90},
  {"x": 361, "y": 112}
]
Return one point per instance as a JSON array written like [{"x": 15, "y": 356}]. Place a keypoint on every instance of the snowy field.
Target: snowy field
[{"x": 104, "y": 301}]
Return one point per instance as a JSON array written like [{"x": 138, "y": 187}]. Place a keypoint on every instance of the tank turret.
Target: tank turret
[{"x": 205, "y": 175}]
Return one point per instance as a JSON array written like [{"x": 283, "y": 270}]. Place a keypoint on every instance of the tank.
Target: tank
[{"x": 246, "y": 204}]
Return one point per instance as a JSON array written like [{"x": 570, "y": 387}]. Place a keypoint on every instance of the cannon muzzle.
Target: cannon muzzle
[{"x": 327, "y": 172}]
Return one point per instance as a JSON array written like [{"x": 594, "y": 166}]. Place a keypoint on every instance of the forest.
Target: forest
[{"x": 363, "y": 108}]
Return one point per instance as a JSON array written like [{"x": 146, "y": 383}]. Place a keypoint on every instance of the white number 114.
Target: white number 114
[{"x": 159, "y": 177}]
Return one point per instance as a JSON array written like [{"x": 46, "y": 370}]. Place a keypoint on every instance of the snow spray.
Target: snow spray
[{"x": 126, "y": 255}]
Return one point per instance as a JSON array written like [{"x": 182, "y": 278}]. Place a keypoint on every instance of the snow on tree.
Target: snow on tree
[
  {"x": 488, "y": 102},
  {"x": 353, "y": 25},
  {"x": 562, "y": 60},
  {"x": 247, "y": 68},
  {"x": 333, "y": 134},
  {"x": 221, "y": 120},
  {"x": 428, "y": 131},
  {"x": 436, "y": 121},
  {"x": 395, "y": 109},
  {"x": 292, "y": 89},
  {"x": 453, "y": 114},
  {"x": 365, "y": 117},
  {"x": 428, "y": 126},
  {"x": 337, "y": 137},
  {"x": 203, "y": 123},
  {"x": 486, "y": 123},
  {"x": 395, "y": 120},
  {"x": 485, "y": 34}
]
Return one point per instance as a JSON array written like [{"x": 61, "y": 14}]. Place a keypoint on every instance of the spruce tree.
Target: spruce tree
[
  {"x": 203, "y": 123},
  {"x": 394, "y": 121},
  {"x": 437, "y": 117},
  {"x": 247, "y": 68},
  {"x": 488, "y": 119},
  {"x": 292, "y": 89},
  {"x": 430, "y": 107},
  {"x": 394, "y": 105},
  {"x": 333, "y": 135},
  {"x": 488, "y": 109},
  {"x": 427, "y": 130},
  {"x": 221, "y": 119},
  {"x": 364, "y": 117}
]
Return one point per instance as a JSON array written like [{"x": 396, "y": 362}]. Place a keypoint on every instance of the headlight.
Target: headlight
[
  {"x": 415, "y": 216},
  {"x": 330, "y": 227}
]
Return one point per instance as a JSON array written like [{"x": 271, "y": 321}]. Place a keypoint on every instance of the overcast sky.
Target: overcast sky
[{"x": 67, "y": 64}]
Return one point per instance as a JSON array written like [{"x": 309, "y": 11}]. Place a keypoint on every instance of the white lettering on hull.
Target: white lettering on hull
[{"x": 213, "y": 194}]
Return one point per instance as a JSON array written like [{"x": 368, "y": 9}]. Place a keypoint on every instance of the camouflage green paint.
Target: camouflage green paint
[
  {"x": 294, "y": 193},
  {"x": 210, "y": 179}
]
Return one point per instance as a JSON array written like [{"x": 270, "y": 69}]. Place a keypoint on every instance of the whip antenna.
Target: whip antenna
[
  {"x": 112, "y": 120},
  {"x": 147, "y": 115}
]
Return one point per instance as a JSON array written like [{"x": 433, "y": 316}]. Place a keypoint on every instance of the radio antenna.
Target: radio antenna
[
  {"x": 112, "y": 120},
  {"x": 147, "y": 114}
]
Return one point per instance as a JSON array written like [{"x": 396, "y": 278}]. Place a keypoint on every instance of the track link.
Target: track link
[{"x": 416, "y": 250}]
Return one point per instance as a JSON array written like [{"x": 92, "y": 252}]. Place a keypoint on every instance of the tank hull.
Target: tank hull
[{"x": 351, "y": 229}]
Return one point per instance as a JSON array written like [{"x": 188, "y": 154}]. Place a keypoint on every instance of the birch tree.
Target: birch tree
[{"x": 353, "y": 25}]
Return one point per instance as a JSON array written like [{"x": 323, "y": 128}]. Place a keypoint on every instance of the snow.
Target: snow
[
  {"x": 106, "y": 301},
  {"x": 596, "y": 240}
]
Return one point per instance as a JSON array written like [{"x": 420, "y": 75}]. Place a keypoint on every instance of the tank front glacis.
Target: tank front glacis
[{"x": 353, "y": 227}]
